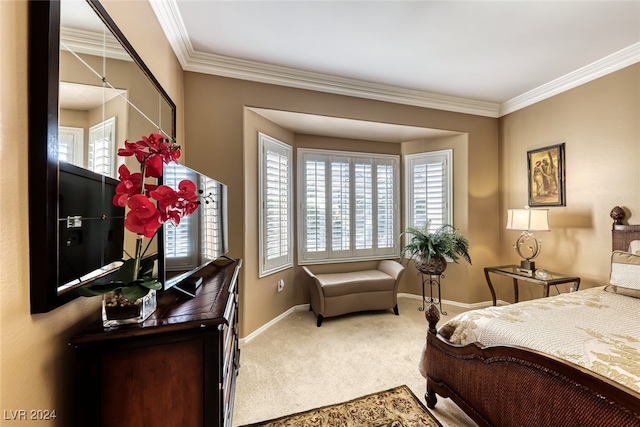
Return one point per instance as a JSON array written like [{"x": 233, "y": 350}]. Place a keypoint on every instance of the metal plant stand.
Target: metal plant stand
[{"x": 432, "y": 280}]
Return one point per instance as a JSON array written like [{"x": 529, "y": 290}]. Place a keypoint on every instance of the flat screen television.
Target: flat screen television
[
  {"x": 199, "y": 239},
  {"x": 90, "y": 227}
]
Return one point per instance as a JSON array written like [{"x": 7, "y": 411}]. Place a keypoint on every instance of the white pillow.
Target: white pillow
[
  {"x": 625, "y": 274},
  {"x": 634, "y": 247}
]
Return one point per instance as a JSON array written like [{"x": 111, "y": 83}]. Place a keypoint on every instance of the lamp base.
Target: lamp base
[{"x": 527, "y": 267}]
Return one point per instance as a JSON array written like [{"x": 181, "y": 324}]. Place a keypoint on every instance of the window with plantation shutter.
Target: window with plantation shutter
[
  {"x": 102, "y": 148},
  {"x": 348, "y": 206},
  {"x": 315, "y": 215},
  {"x": 211, "y": 215},
  {"x": 386, "y": 205},
  {"x": 70, "y": 145},
  {"x": 181, "y": 241},
  {"x": 428, "y": 189},
  {"x": 276, "y": 204}
]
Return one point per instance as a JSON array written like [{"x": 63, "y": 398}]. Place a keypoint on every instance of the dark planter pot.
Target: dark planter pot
[{"x": 435, "y": 267}]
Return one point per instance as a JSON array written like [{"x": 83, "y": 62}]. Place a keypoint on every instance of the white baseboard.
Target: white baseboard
[
  {"x": 305, "y": 307},
  {"x": 302, "y": 307},
  {"x": 473, "y": 306}
]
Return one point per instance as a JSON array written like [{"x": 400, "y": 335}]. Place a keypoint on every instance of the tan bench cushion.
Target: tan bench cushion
[{"x": 336, "y": 284}]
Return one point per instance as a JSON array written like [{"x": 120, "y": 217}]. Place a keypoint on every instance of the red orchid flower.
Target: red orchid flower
[
  {"x": 174, "y": 205},
  {"x": 166, "y": 197},
  {"x": 152, "y": 151},
  {"x": 128, "y": 186},
  {"x": 143, "y": 216}
]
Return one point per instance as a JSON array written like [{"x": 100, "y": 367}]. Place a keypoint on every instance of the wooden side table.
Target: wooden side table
[
  {"x": 512, "y": 271},
  {"x": 177, "y": 368}
]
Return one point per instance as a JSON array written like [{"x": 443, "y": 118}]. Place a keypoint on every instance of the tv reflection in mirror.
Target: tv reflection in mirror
[
  {"x": 90, "y": 227},
  {"x": 199, "y": 239}
]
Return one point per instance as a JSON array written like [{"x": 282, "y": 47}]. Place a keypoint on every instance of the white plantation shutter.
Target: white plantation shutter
[
  {"x": 70, "y": 145},
  {"x": 340, "y": 201},
  {"x": 315, "y": 198},
  {"x": 363, "y": 208},
  {"x": 277, "y": 188},
  {"x": 102, "y": 148},
  {"x": 386, "y": 206},
  {"x": 428, "y": 178},
  {"x": 181, "y": 241},
  {"x": 210, "y": 212},
  {"x": 276, "y": 193},
  {"x": 349, "y": 206},
  {"x": 65, "y": 151}
]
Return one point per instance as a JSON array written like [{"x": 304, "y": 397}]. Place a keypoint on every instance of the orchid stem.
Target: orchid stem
[
  {"x": 138, "y": 256},
  {"x": 136, "y": 264}
]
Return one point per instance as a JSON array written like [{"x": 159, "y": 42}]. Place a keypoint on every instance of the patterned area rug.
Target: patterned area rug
[{"x": 397, "y": 407}]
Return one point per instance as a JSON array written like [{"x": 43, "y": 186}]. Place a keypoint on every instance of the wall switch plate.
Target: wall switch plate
[{"x": 280, "y": 285}]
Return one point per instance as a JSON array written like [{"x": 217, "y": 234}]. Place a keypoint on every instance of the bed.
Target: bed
[{"x": 514, "y": 379}]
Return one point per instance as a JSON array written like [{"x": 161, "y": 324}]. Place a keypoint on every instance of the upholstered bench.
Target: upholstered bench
[{"x": 333, "y": 294}]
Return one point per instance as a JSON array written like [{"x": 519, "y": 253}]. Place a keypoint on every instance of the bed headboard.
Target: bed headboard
[{"x": 622, "y": 234}]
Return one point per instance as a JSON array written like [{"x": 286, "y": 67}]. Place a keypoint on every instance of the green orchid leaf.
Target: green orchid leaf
[
  {"x": 152, "y": 284},
  {"x": 134, "y": 292},
  {"x": 146, "y": 268},
  {"x": 125, "y": 273},
  {"x": 99, "y": 289}
]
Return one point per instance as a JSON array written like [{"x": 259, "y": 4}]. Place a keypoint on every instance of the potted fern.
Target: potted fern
[{"x": 430, "y": 249}]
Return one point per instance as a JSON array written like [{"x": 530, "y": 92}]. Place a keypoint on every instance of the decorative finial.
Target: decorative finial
[
  {"x": 617, "y": 213},
  {"x": 433, "y": 316}
]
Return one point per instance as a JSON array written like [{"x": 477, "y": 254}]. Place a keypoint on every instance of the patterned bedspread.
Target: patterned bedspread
[{"x": 592, "y": 328}]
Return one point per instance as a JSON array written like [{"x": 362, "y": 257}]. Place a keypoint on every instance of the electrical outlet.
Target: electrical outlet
[{"x": 280, "y": 285}]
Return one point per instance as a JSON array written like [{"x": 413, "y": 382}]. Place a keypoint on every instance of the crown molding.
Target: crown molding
[
  {"x": 92, "y": 43},
  {"x": 283, "y": 76},
  {"x": 191, "y": 60},
  {"x": 607, "y": 65},
  {"x": 174, "y": 30}
]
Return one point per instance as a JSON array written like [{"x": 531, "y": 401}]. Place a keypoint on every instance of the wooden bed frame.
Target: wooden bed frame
[{"x": 506, "y": 386}]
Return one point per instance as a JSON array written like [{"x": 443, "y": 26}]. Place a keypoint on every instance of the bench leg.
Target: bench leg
[
  {"x": 395, "y": 310},
  {"x": 320, "y": 319}
]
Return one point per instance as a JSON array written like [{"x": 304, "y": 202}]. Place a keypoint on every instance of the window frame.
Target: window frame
[
  {"x": 328, "y": 254},
  {"x": 267, "y": 267},
  {"x": 107, "y": 129},
  {"x": 187, "y": 233},
  {"x": 409, "y": 163},
  {"x": 76, "y": 145}
]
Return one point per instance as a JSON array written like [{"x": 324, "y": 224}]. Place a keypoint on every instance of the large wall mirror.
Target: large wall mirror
[{"x": 89, "y": 91}]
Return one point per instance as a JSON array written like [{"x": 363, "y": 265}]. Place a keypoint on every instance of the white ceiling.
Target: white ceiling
[
  {"x": 83, "y": 97},
  {"x": 479, "y": 57}
]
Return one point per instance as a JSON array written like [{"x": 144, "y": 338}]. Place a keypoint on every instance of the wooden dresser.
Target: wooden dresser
[{"x": 178, "y": 368}]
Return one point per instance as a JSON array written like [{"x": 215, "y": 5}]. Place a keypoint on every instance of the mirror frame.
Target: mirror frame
[{"x": 43, "y": 78}]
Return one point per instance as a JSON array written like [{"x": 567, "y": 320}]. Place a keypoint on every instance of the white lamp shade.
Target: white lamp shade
[{"x": 528, "y": 219}]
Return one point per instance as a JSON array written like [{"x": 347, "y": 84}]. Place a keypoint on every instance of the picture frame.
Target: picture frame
[{"x": 546, "y": 168}]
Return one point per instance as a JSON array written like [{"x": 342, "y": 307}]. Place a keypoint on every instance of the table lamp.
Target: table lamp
[{"x": 528, "y": 220}]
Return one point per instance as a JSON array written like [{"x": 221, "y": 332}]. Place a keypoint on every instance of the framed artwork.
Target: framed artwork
[{"x": 546, "y": 176}]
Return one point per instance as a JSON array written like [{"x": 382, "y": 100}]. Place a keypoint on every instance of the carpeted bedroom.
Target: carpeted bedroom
[{"x": 295, "y": 367}]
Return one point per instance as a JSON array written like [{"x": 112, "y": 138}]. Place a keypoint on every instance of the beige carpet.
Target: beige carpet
[
  {"x": 397, "y": 407},
  {"x": 295, "y": 366}
]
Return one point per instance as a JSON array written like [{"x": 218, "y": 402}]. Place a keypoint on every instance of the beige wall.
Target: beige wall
[
  {"x": 600, "y": 124},
  {"x": 267, "y": 291},
  {"x": 36, "y": 364},
  {"x": 216, "y": 123}
]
